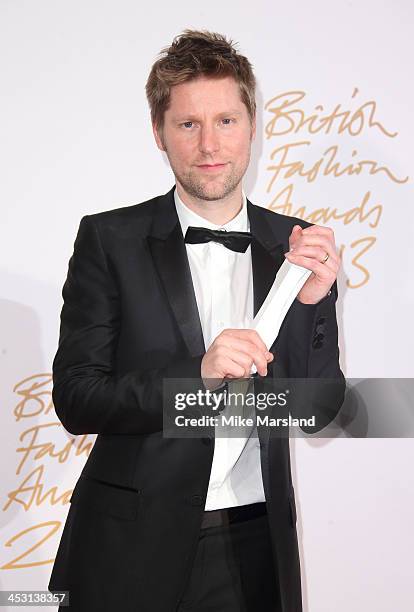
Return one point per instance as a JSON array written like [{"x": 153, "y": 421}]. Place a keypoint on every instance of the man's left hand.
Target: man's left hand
[{"x": 314, "y": 248}]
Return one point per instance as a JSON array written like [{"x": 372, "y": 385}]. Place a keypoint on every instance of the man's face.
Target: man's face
[{"x": 207, "y": 136}]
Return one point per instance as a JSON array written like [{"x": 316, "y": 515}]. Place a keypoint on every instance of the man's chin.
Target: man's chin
[
  {"x": 212, "y": 193},
  {"x": 212, "y": 197}
]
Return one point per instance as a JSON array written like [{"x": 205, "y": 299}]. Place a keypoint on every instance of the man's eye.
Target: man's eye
[
  {"x": 188, "y": 124},
  {"x": 227, "y": 120}
]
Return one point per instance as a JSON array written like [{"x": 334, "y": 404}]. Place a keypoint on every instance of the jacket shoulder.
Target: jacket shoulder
[{"x": 126, "y": 214}]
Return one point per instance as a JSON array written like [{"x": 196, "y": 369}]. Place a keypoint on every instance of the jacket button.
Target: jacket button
[
  {"x": 196, "y": 500},
  {"x": 318, "y": 341}
]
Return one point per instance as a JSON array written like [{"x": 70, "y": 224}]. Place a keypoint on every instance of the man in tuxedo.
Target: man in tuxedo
[{"x": 167, "y": 289}]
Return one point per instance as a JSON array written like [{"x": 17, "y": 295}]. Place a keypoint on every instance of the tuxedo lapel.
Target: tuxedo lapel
[
  {"x": 169, "y": 254},
  {"x": 267, "y": 254}
]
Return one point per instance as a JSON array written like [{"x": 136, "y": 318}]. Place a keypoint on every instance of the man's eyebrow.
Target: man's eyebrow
[{"x": 192, "y": 117}]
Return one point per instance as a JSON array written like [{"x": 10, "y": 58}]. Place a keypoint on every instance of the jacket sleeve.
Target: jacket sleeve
[
  {"x": 308, "y": 349},
  {"x": 88, "y": 395}
]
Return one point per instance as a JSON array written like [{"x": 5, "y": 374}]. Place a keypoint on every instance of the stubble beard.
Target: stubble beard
[
  {"x": 207, "y": 191},
  {"x": 212, "y": 191}
]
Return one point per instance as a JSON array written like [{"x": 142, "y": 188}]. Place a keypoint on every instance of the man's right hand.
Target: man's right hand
[{"x": 232, "y": 354}]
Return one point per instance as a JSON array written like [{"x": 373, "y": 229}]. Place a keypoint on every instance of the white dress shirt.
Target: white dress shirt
[{"x": 223, "y": 288}]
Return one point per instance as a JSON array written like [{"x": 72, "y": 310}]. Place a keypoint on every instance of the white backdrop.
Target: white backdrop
[{"x": 76, "y": 139}]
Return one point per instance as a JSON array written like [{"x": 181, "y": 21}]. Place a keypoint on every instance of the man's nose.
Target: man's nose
[{"x": 209, "y": 140}]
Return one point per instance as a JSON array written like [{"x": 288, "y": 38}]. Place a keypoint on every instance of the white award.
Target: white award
[{"x": 289, "y": 280}]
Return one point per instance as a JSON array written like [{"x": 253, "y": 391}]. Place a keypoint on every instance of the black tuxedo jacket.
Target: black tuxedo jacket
[{"x": 129, "y": 320}]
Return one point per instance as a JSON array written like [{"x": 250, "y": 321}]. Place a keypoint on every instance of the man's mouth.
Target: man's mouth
[{"x": 211, "y": 167}]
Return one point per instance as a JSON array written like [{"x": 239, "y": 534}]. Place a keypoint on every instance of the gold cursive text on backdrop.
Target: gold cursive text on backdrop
[
  {"x": 39, "y": 446},
  {"x": 301, "y": 160}
]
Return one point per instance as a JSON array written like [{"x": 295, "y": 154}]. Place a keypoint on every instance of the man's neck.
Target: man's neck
[{"x": 218, "y": 212}]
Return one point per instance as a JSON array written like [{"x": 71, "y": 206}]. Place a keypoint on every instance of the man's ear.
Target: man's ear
[
  {"x": 158, "y": 136},
  {"x": 253, "y": 128}
]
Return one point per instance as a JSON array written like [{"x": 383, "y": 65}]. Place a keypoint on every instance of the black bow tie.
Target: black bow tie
[{"x": 235, "y": 241}]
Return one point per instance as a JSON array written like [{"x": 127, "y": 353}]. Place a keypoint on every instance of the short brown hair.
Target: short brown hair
[{"x": 194, "y": 54}]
